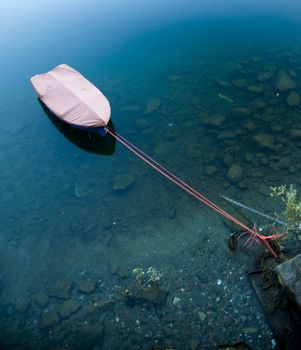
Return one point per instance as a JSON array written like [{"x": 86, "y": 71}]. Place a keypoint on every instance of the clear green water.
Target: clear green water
[{"x": 61, "y": 218}]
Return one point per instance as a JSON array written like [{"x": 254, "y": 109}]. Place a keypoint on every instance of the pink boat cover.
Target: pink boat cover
[{"x": 72, "y": 97}]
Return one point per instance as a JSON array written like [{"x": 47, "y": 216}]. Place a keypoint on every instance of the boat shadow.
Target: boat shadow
[{"x": 84, "y": 139}]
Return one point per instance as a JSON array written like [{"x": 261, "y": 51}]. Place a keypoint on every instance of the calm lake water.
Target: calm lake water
[{"x": 210, "y": 91}]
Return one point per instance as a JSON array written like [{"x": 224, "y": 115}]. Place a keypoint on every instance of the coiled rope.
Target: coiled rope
[{"x": 184, "y": 186}]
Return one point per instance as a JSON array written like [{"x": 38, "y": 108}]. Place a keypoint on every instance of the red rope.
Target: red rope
[{"x": 182, "y": 184}]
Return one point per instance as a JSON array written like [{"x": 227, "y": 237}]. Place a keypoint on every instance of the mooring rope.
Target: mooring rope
[{"x": 183, "y": 185}]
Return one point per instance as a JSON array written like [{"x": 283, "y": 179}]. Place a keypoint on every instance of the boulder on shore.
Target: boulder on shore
[{"x": 289, "y": 273}]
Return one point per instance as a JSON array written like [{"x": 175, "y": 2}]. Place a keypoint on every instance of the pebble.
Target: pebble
[
  {"x": 176, "y": 301},
  {"x": 202, "y": 316}
]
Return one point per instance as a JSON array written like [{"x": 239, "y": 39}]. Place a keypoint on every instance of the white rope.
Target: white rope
[{"x": 257, "y": 212}]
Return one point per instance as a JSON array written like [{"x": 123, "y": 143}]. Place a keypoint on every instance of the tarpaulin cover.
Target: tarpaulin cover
[{"x": 72, "y": 97}]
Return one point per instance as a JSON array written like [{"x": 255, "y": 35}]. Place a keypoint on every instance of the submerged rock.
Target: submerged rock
[
  {"x": 142, "y": 123},
  {"x": 283, "y": 163},
  {"x": 289, "y": 274},
  {"x": 214, "y": 120},
  {"x": 293, "y": 99},
  {"x": 209, "y": 155},
  {"x": 210, "y": 170},
  {"x": 22, "y": 305},
  {"x": 89, "y": 336},
  {"x": 295, "y": 133},
  {"x": 256, "y": 88},
  {"x": 174, "y": 78},
  {"x": 241, "y": 112},
  {"x": 68, "y": 308},
  {"x": 265, "y": 76},
  {"x": 239, "y": 83},
  {"x": 87, "y": 286},
  {"x": 202, "y": 316},
  {"x": 164, "y": 148},
  {"x": 154, "y": 294},
  {"x": 152, "y": 105},
  {"x": 61, "y": 289},
  {"x": 265, "y": 140},
  {"x": 228, "y": 134},
  {"x": 42, "y": 299},
  {"x": 123, "y": 182},
  {"x": 49, "y": 319},
  {"x": 235, "y": 173},
  {"x": 130, "y": 108},
  {"x": 285, "y": 82}
]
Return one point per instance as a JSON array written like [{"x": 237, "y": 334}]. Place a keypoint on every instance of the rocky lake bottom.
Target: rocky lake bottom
[{"x": 79, "y": 223}]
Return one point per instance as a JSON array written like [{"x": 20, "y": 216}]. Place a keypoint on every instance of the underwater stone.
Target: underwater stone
[
  {"x": 130, "y": 108},
  {"x": 249, "y": 157},
  {"x": 174, "y": 78},
  {"x": 61, "y": 289},
  {"x": 89, "y": 336},
  {"x": 235, "y": 173},
  {"x": 193, "y": 344},
  {"x": 295, "y": 133},
  {"x": 142, "y": 123},
  {"x": 154, "y": 294},
  {"x": 265, "y": 76},
  {"x": 241, "y": 111},
  {"x": 283, "y": 163},
  {"x": 123, "y": 182},
  {"x": 228, "y": 134},
  {"x": 87, "y": 286},
  {"x": 209, "y": 155},
  {"x": 289, "y": 273},
  {"x": 22, "y": 306},
  {"x": 68, "y": 308},
  {"x": 249, "y": 125},
  {"x": 213, "y": 120},
  {"x": 265, "y": 140},
  {"x": 42, "y": 299},
  {"x": 285, "y": 82},
  {"x": 256, "y": 88},
  {"x": 239, "y": 83},
  {"x": 202, "y": 316},
  {"x": 152, "y": 105},
  {"x": 256, "y": 59},
  {"x": 210, "y": 170},
  {"x": 176, "y": 301},
  {"x": 164, "y": 148},
  {"x": 293, "y": 99},
  {"x": 49, "y": 319}
]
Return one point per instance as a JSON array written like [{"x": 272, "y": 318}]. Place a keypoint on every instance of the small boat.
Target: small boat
[{"x": 73, "y": 99}]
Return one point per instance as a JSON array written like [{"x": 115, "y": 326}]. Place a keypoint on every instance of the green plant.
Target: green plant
[
  {"x": 292, "y": 211},
  {"x": 153, "y": 276}
]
